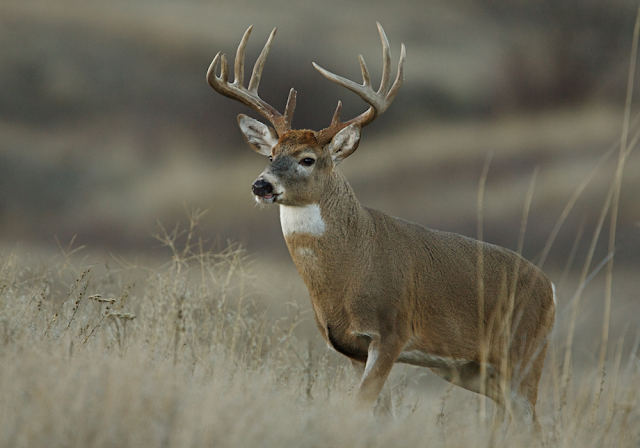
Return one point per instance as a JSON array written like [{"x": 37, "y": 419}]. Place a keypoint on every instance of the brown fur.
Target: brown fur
[
  {"x": 379, "y": 278},
  {"x": 298, "y": 137}
]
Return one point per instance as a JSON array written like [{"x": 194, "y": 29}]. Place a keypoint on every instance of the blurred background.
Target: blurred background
[{"x": 107, "y": 124}]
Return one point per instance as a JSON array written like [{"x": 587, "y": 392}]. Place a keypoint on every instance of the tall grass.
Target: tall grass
[
  {"x": 185, "y": 355},
  {"x": 178, "y": 355}
]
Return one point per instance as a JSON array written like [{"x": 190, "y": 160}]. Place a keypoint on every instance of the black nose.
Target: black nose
[{"x": 262, "y": 188}]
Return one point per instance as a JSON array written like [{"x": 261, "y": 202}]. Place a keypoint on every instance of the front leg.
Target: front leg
[
  {"x": 381, "y": 355},
  {"x": 384, "y": 403}
]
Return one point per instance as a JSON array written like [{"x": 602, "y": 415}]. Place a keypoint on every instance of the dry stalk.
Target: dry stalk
[
  {"x": 575, "y": 301},
  {"x": 617, "y": 185},
  {"x": 611, "y": 409},
  {"x": 484, "y": 342}
]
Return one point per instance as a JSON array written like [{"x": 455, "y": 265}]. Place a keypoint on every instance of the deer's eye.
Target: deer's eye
[
  {"x": 307, "y": 161},
  {"x": 270, "y": 158}
]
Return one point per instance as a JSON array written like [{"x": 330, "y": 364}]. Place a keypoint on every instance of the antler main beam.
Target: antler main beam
[
  {"x": 379, "y": 101},
  {"x": 249, "y": 97}
]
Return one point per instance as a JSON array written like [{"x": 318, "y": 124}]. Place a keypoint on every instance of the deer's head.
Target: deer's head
[{"x": 300, "y": 160}]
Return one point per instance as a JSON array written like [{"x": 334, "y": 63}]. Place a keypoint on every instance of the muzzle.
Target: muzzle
[{"x": 262, "y": 188}]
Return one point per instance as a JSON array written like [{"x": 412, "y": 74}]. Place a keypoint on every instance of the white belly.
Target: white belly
[{"x": 420, "y": 358}]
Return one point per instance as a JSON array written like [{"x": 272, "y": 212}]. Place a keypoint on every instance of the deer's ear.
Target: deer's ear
[
  {"x": 344, "y": 143},
  {"x": 259, "y": 136}
]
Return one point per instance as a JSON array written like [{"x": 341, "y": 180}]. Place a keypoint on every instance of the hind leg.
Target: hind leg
[
  {"x": 524, "y": 393},
  {"x": 468, "y": 376}
]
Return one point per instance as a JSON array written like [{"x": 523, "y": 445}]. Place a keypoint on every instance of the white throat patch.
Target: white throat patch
[{"x": 306, "y": 219}]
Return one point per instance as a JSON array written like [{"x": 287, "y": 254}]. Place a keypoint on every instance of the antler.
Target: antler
[
  {"x": 379, "y": 101},
  {"x": 249, "y": 97}
]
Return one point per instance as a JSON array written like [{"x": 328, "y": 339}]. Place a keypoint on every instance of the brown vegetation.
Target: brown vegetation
[{"x": 188, "y": 355}]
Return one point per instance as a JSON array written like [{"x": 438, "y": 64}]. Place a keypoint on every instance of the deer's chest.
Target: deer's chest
[{"x": 303, "y": 227}]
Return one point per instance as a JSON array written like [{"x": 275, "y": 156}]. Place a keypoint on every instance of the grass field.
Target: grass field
[{"x": 195, "y": 352}]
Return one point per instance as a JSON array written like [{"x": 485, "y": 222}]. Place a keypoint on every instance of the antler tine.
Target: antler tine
[
  {"x": 379, "y": 101},
  {"x": 336, "y": 115},
  {"x": 224, "y": 70},
  {"x": 254, "y": 82},
  {"x": 399, "y": 77},
  {"x": 363, "y": 91},
  {"x": 366, "y": 79},
  {"x": 249, "y": 97},
  {"x": 211, "y": 73},
  {"x": 290, "y": 108},
  {"x": 386, "y": 61},
  {"x": 239, "y": 65}
]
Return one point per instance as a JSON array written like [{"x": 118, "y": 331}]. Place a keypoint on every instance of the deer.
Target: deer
[{"x": 385, "y": 290}]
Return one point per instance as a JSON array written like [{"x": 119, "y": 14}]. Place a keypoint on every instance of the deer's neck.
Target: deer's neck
[
  {"x": 325, "y": 240},
  {"x": 337, "y": 213},
  {"x": 324, "y": 235}
]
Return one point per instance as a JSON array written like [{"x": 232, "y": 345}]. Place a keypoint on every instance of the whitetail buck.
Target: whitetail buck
[{"x": 385, "y": 290}]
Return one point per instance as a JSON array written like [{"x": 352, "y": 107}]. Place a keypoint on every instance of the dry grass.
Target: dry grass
[{"x": 186, "y": 354}]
